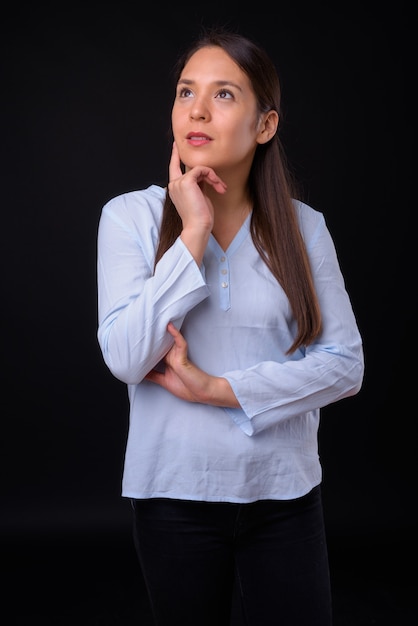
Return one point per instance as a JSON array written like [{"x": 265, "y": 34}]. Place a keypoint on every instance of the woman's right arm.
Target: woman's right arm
[{"x": 134, "y": 303}]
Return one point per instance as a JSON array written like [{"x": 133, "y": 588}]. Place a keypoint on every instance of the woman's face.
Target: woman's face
[{"x": 214, "y": 115}]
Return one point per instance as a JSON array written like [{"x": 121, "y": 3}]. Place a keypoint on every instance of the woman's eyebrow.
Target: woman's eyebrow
[{"x": 218, "y": 83}]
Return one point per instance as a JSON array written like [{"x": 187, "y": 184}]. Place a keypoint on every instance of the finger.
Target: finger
[
  {"x": 174, "y": 168},
  {"x": 154, "y": 376},
  {"x": 213, "y": 179},
  {"x": 173, "y": 330},
  {"x": 203, "y": 174},
  {"x": 179, "y": 340}
]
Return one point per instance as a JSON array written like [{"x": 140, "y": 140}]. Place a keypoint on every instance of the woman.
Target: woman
[{"x": 223, "y": 308}]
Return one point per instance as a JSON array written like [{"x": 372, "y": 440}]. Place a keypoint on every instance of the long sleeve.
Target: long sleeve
[
  {"x": 134, "y": 304},
  {"x": 330, "y": 369}
]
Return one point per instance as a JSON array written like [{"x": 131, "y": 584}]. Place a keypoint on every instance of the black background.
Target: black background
[{"x": 86, "y": 104}]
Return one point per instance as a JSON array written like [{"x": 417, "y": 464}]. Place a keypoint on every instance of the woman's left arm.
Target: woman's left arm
[
  {"x": 256, "y": 398},
  {"x": 330, "y": 369}
]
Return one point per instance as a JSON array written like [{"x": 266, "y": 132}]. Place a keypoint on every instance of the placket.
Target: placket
[{"x": 224, "y": 282}]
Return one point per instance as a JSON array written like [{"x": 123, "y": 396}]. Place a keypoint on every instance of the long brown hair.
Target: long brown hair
[{"x": 274, "y": 225}]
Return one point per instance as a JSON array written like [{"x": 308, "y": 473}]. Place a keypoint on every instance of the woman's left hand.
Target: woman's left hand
[
  {"x": 181, "y": 377},
  {"x": 186, "y": 381}
]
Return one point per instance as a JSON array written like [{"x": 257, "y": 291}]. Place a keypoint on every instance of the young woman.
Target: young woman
[{"x": 223, "y": 308}]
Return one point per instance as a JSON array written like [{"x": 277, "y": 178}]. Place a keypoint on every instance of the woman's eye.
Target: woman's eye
[
  {"x": 184, "y": 92},
  {"x": 224, "y": 94}
]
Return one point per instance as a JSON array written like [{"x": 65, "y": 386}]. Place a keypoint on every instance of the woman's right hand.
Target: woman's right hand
[{"x": 193, "y": 205}]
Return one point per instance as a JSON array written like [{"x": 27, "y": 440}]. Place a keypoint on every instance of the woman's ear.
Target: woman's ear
[{"x": 268, "y": 126}]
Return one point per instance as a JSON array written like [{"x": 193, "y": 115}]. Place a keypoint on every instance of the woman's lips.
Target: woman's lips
[{"x": 198, "y": 139}]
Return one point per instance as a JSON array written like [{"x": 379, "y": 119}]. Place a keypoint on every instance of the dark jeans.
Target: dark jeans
[{"x": 271, "y": 555}]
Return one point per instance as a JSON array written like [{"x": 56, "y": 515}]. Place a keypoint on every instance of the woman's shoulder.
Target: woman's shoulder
[
  {"x": 306, "y": 211},
  {"x": 311, "y": 221},
  {"x": 149, "y": 200}
]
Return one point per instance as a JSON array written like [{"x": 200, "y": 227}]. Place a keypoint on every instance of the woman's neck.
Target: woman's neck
[{"x": 230, "y": 214}]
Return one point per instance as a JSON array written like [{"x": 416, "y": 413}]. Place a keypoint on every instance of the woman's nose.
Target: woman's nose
[{"x": 199, "y": 111}]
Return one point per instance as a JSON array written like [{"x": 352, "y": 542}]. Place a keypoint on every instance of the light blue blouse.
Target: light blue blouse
[{"x": 238, "y": 324}]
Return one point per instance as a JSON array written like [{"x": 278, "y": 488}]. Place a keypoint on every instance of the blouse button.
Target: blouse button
[{"x": 224, "y": 285}]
